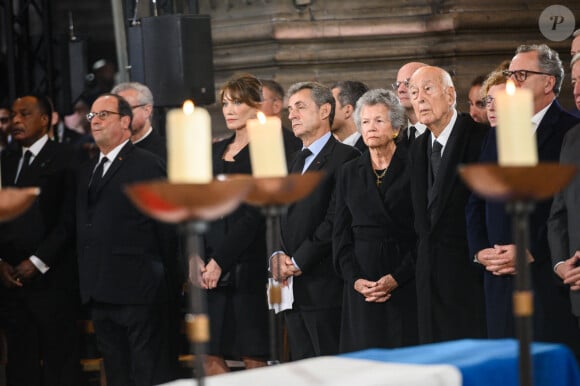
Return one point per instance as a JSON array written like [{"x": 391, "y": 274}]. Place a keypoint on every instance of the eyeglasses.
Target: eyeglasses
[
  {"x": 400, "y": 82},
  {"x": 101, "y": 114},
  {"x": 137, "y": 106},
  {"x": 488, "y": 100},
  {"x": 522, "y": 75},
  {"x": 4, "y": 119}
]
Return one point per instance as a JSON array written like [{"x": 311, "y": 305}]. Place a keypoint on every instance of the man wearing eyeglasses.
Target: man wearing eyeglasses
[
  {"x": 143, "y": 135},
  {"x": 539, "y": 69},
  {"x": 38, "y": 272},
  {"x": 476, "y": 104},
  {"x": 401, "y": 86},
  {"x": 123, "y": 254}
]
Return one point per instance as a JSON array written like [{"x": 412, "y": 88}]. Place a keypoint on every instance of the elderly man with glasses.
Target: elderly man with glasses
[
  {"x": 539, "y": 69},
  {"x": 414, "y": 128},
  {"x": 143, "y": 135},
  {"x": 123, "y": 255}
]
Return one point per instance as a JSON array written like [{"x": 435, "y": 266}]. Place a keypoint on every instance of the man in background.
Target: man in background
[
  {"x": 476, "y": 105},
  {"x": 272, "y": 105},
  {"x": 346, "y": 94},
  {"x": 143, "y": 135},
  {"x": 414, "y": 128}
]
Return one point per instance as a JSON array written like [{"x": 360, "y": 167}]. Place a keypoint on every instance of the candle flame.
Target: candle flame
[
  {"x": 510, "y": 87},
  {"x": 188, "y": 107},
  {"x": 261, "y": 117}
]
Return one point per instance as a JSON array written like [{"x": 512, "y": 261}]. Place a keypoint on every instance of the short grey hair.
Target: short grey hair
[
  {"x": 575, "y": 59},
  {"x": 320, "y": 94},
  {"x": 144, "y": 95},
  {"x": 381, "y": 96},
  {"x": 548, "y": 61}
]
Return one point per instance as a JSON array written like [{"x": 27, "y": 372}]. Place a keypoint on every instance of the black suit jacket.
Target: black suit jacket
[
  {"x": 564, "y": 221},
  {"x": 449, "y": 288},
  {"x": 307, "y": 233},
  {"x": 489, "y": 224},
  {"x": 154, "y": 143},
  {"x": 125, "y": 257},
  {"x": 37, "y": 231}
]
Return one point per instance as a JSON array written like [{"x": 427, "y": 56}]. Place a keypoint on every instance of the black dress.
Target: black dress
[
  {"x": 373, "y": 236},
  {"x": 238, "y": 307}
]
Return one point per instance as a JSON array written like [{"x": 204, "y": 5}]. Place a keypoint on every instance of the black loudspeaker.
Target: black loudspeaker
[
  {"x": 173, "y": 56},
  {"x": 71, "y": 71}
]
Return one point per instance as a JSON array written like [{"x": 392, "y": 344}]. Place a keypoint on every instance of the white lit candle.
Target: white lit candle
[
  {"x": 267, "y": 146},
  {"x": 189, "y": 157},
  {"x": 516, "y": 141}
]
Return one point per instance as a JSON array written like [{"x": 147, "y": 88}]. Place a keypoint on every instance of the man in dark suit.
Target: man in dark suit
[
  {"x": 143, "y": 135},
  {"x": 414, "y": 128},
  {"x": 564, "y": 221},
  {"x": 39, "y": 295},
  {"x": 346, "y": 94},
  {"x": 272, "y": 103},
  {"x": 539, "y": 69},
  {"x": 124, "y": 256},
  {"x": 313, "y": 323},
  {"x": 449, "y": 289}
]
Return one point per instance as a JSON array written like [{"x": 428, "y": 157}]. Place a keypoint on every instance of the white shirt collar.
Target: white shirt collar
[
  {"x": 537, "y": 118},
  {"x": 418, "y": 126},
  {"x": 444, "y": 136},
  {"x": 36, "y": 146},
  {"x": 351, "y": 139},
  {"x": 111, "y": 155},
  {"x": 145, "y": 136}
]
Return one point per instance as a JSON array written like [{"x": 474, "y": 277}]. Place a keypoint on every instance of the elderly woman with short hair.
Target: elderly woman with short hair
[{"x": 374, "y": 240}]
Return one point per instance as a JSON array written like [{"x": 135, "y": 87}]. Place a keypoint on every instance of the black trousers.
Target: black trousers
[
  {"x": 313, "y": 333},
  {"x": 131, "y": 338},
  {"x": 42, "y": 336}
]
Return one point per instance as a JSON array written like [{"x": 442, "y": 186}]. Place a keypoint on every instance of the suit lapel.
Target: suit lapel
[
  {"x": 322, "y": 157},
  {"x": 545, "y": 129},
  {"x": 40, "y": 162},
  {"x": 452, "y": 156},
  {"x": 115, "y": 165},
  {"x": 419, "y": 178}
]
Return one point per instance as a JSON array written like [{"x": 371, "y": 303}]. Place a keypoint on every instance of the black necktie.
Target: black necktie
[
  {"x": 25, "y": 163},
  {"x": 299, "y": 161},
  {"x": 435, "y": 158},
  {"x": 412, "y": 131},
  {"x": 96, "y": 178}
]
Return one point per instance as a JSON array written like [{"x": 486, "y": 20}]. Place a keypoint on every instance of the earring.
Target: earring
[{"x": 395, "y": 135}]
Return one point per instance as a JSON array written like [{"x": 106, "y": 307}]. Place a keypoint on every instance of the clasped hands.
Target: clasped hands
[
  {"x": 282, "y": 267},
  {"x": 13, "y": 277},
  {"x": 570, "y": 272},
  {"x": 204, "y": 275},
  {"x": 376, "y": 291},
  {"x": 501, "y": 259}
]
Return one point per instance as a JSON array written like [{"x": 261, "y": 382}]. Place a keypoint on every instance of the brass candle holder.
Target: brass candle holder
[
  {"x": 273, "y": 195},
  {"x": 520, "y": 187},
  {"x": 192, "y": 206},
  {"x": 15, "y": 201}
]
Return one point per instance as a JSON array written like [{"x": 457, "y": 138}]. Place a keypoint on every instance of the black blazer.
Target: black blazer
[
  {"x": 37, "y": 231},
  {"x": 564, "y": 220},
  {"x": 125, "y": 257},
  {"x": 443, "y": 265},
  {"x": 307, "y": 233},
  {"x": 489, "y": 224},
  {"x": 155, "y": 143}
]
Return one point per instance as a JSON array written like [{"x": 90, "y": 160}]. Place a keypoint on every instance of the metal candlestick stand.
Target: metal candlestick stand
[
  {"x": 273, "y": 195},
  {"x": 520, "y": 187},
  {"x": 15, "y": 201},
  {"x": 193, "y": 206}
]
